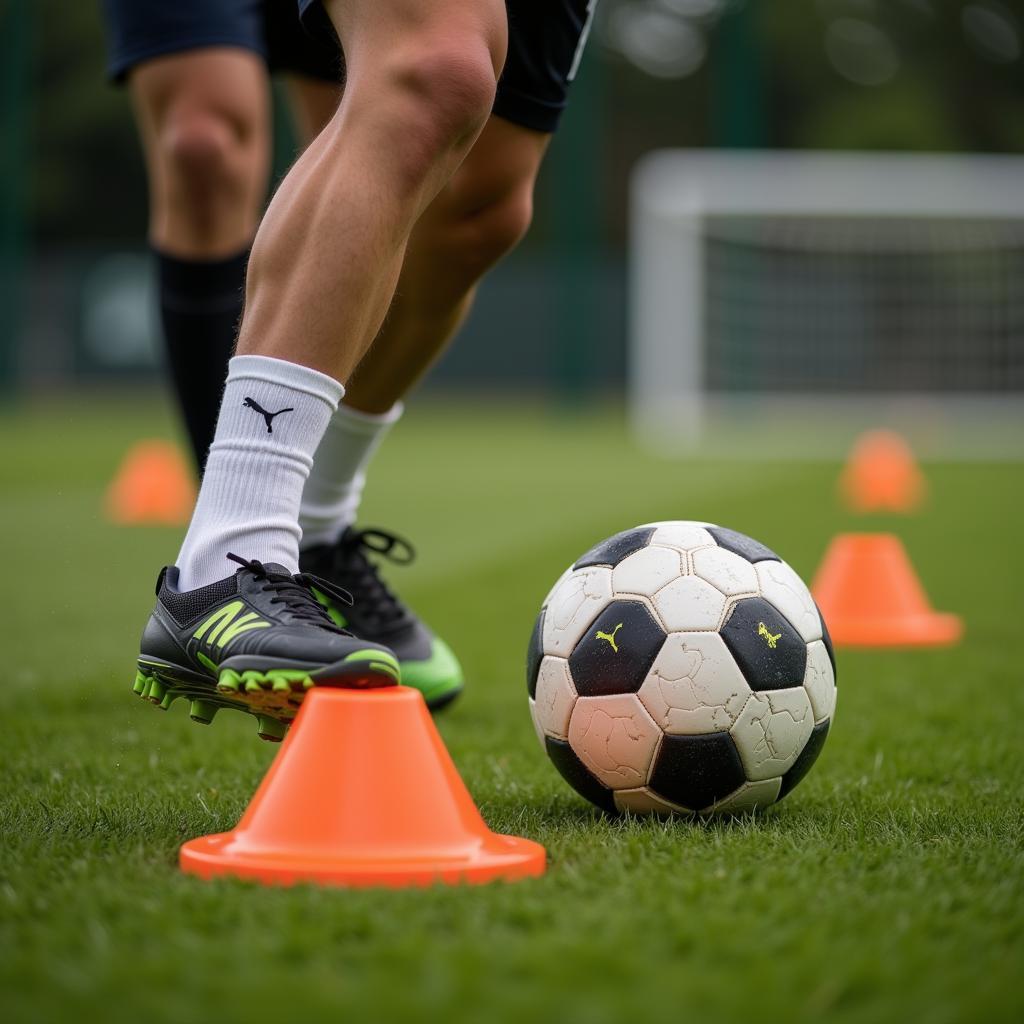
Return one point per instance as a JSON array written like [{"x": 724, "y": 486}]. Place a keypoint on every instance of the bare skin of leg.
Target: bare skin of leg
[
  {"x": 328, "y": 253},
  {"x": 204, "y": 119},
  {"x": 475, "y": 220}
]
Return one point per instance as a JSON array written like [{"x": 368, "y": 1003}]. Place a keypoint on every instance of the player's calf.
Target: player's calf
[{"x": 472, "y": 241}]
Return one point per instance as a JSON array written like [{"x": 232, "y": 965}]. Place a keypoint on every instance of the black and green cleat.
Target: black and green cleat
[
  {"x": 428, "y": 663},
  {"x": 255, "y": 641}
]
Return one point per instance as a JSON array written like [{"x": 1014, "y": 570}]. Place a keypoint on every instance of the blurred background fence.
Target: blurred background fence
[{"x": 876, "y": 75}]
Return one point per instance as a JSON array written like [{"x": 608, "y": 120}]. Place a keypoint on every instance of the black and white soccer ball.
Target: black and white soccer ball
[{"x": 681, "y": 667}]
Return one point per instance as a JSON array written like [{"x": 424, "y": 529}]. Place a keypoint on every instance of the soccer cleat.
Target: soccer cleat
[
  {"x": 256, "y": 641},
  {"x": 428, "y": 663}
]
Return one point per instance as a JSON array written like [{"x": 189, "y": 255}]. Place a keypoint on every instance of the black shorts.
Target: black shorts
[
  {"x": 546, "y": 39},
  {"x": 140, "y": 30}
]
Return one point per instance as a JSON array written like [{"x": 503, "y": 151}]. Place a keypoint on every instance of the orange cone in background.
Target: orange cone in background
[
  {"x": 870, "y": 596},
  {"x": 153, "y": 486},
  {"x": 881, "y": 475},
  {"x": 363, "y": 792}
]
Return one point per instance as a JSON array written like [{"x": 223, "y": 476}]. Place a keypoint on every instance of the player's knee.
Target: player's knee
[
  {"x": 444, "y": 94},
  {"x": 456, "y": 84},
  {"x": 203, "y": 157},
  {"x": 500, "y": 227}
]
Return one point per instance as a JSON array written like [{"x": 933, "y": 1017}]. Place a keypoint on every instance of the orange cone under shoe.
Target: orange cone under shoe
[
  {"x": 363, "y": 792},
  {"x": 881, "y": 475},
  {"x": 870, "y": 596},
  {"x": 153, "y": 486}
]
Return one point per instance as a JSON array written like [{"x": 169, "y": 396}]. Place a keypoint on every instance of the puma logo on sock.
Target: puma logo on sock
[{"x": 251, "y": 403}]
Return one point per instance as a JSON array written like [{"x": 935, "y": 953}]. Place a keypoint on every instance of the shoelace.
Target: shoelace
[
  {"x": 376, "y": 601},
  {"x": 296, "y": 592}
]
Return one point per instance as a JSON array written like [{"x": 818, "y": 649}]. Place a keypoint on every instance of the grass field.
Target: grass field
[{"x": 888, "y": 887}]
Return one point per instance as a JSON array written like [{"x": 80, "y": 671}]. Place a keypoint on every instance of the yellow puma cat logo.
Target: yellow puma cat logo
[
  {"x": 610, "y": 637},
  {"x": 772, "y": 638}
]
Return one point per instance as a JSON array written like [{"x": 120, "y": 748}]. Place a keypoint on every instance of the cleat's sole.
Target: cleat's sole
[
  {"x": 273, "y": 697},
  {"x": 276, "y": 693}
]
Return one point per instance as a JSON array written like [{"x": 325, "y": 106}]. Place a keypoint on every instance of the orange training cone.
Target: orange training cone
[
  {"x": 153, "y": 486},
  {"x": 363, "y": 792},
  {"x": 870, "y": 596},
  {"x": 881, "y": 475}
]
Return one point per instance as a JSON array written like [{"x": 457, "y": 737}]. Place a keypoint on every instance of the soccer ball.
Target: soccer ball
[{"x": 681, "y": 667}]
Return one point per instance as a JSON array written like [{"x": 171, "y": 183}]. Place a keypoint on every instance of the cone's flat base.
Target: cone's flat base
[
  {"x": 937, "y": 629},
  {"x": 498, "y": 857}
]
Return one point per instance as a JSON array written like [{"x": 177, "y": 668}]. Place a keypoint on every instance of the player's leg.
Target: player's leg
[
  {"x": 204, "y": 121},
  {"x": 477, "y": 218},
  {"x": 203, "y": 118},
  {"x": 474, "y": 221},
  {"x": 420, "y": 84},
  {"x": 486, "y": 208}
]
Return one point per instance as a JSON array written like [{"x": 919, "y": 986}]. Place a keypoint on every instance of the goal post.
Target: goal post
[{"x": 787, "y": 300}]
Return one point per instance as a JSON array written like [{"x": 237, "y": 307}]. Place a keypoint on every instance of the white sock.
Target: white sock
[
  {"x": 335, "y": 486},
  {"x": 249, "y": 499}
]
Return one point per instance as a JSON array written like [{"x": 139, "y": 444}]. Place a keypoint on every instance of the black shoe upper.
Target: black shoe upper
[
  {"x": 376, "y": 613},
  {"x": 261, "y": 611}
]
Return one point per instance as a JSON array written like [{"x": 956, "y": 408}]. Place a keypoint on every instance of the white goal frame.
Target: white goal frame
[{"x": 673, "y": 191}]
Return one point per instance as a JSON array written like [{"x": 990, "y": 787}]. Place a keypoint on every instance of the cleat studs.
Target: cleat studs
[
  {"x": 141, "y": 684},
  {"x": 254, "y": 681},
  {"x": 202, "y": 711},
  {"x": 229, "y": 682},
  {"x": 282, "y": 685},
  {"x": 271, "y": 729},
  {"x": 168, "y": 700},
  {"x": 156, "y": 692}
]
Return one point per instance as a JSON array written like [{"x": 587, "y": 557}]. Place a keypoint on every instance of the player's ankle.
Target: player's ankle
[
  {"x": 328, "y": 537},
  {"x": 272, "y": 417},
  {"x": 334, "y": 490}
]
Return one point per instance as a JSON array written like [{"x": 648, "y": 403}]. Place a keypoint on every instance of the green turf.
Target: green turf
[{"x": 887, "y": 887}]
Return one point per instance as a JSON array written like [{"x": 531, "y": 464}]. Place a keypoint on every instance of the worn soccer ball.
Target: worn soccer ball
[{"x": 681, "y": 667}]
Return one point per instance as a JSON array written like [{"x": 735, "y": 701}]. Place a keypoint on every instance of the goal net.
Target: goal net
[{"x": 783, "y": 302}]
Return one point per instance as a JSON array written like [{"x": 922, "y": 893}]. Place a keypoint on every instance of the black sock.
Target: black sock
[{"x": 200, "y": 306}]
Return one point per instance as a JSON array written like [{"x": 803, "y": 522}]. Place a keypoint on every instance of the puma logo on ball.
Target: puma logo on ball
[{"x": 610, "y": 637}]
